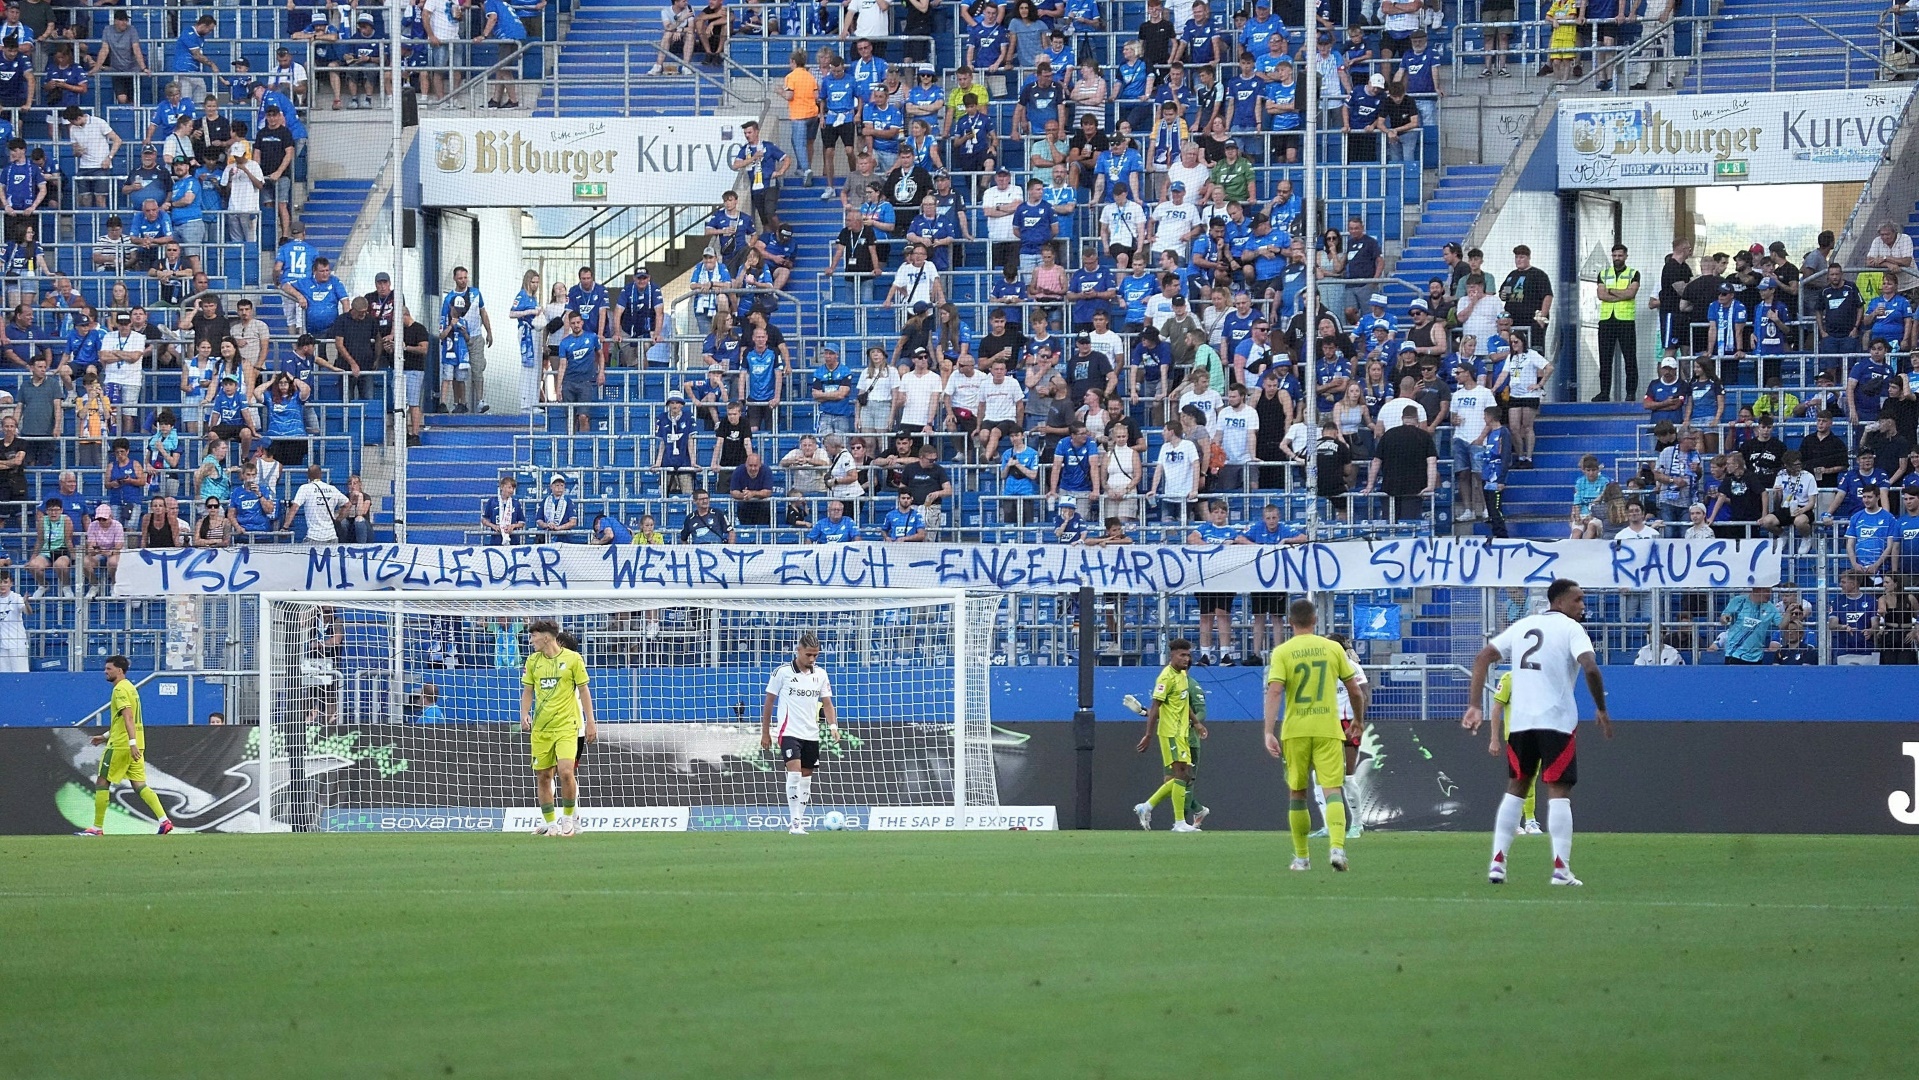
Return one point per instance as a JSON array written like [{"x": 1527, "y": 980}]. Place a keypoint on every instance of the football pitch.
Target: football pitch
[{"x": 933, "y": 956}]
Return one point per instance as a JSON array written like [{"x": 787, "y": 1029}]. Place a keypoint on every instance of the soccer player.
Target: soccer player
[
  {"x": 1297, "y": 680},
  {"x": 799, "y": 692},
  {"x": 125, "y": 757},
  {"x": 1501, "y": 728},
  {"x": 1349, "y": 739},
  {"x": 555, "y": 705},
  {"x": 1546, "y": 650},
  {"x": 1170, "y": 720}
]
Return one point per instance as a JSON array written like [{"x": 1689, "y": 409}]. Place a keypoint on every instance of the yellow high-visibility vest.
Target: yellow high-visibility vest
[{"x": 1618, "y": 281}]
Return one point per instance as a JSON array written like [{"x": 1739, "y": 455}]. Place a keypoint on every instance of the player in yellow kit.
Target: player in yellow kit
[
  {"x": 554, "y": 704},
  {"x": 1502, "y": 703},
  {"x": 1302, "y": 678},
  {"x": 125, "y": 757},
  {"x": 1171, "y": 722}
]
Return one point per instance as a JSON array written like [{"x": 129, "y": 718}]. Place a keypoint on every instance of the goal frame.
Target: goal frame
[{"x": 956, "y": 599}]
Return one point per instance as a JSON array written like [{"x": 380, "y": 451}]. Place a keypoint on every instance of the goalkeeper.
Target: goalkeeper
[
  {"x": 1177, "y": 723},
  {"x": 555, "y": 703}
]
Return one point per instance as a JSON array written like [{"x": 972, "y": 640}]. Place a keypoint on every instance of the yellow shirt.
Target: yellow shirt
[
  {"x": 1173, "y": 690},
  {"x": 957, "y": 98},
  {"x": 125, "y": 697},
  {"x": 555, "y": 681},
  {"x": 806, "y": 94},
  {"x": 1310, "y": 667},
  {"x": 1503, "y": 693}
]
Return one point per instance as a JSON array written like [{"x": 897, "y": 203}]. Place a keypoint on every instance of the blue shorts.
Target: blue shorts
[{"x": 1466, "y": 456}]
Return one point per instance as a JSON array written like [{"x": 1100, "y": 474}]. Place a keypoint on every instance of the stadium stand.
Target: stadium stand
[{"x": 1396, "y": 215}]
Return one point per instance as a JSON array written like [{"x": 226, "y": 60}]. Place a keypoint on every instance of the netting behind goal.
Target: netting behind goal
[{"x": 401, "y": 710}]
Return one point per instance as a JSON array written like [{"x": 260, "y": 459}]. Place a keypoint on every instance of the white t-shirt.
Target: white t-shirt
[
  {"x": 1178, "y": 469},
  {"x": 1901, "y": 248},
  {"x": 915, "y": 283},
  {"x": 1237, "y": 428},
  {"x": 128, "y": 373},
  {"x": 1644, "y": 533},
  {"x": 1469, "y": 412},
  {"x": 1668, "y": 656},
  {"x": 1522, "y": 374},
  {"x": 318, "y": 500},
  {"x": 1300, "y": 439},
  {"x": 1793, "y": 492},
  {"x": 439, "y": 20},
  {"x": 1000, "y": 400},
  {"x": 1123, "y": 223},
  {"x": 1000, "y": 228},
  {"x": 13, "y": 627},
  {"x": 1483, "y": 322},
  {"x": 1208, "y": 402},
  {"x": 1159, "y": 312},
  {"x": 800, "y": 695},
  {"x": 1194, "y": 177},
  {"x": 921, "y": 388},
  {"x": 869, "y": 19},
  {"x": 1108, "y": 343},
  {"x": 1393, "y": 413},
  {"x": 843, "y": 465},
  {"x": 1171, "y": 222},
  {"x": 243, "y": 197},
  {"x": 90, "y": 146},
  {"x": 967, "y": 391},
  {"x": 1544, "y": 650}
]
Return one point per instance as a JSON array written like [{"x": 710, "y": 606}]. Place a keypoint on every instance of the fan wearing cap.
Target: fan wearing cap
[
  {"x": 1731, "y": 323},
  {"x": 559, "y": 512},
  {"x": 638, "y": 310},
  {"x": 1365, "y": 120},
  {"x": 1173, "y": 223}
]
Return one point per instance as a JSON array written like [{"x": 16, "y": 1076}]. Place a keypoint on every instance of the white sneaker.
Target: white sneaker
[
  {"x": 1145, "y": 813},
  {"x": 564, "y": 825},
  {"x": 797, "y": 830},
  {"x": 654, "y": 70},
  {"x": 1563, "y": 874},
  {"x": 1338, "y": 858},
  {"x": 1200, "y": 815},
  {"x": 1301, "y": 864},
  {"x": 1181, "y": 826},
  {"x": 1354, "y": 829},
  {"x": 1531, "y": 828},
  {"x": 1496, "y": 873},
  {"x": 540, "y": 828}
]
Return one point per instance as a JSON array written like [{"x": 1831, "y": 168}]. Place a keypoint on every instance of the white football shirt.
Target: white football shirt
[
  {"x": 800, "y": 694},
  {"x": 1544, "y": 650}
]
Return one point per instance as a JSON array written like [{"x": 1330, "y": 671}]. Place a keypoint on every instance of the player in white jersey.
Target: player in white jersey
[
  {"x": 14, "y": 610},
  {"x": 1350, "y": 733},
  {"x": 798, "y": 694},
  {"x": 1547, "y": 651}
]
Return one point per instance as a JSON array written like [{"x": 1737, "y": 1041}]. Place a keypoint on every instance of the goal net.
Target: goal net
[{"x": 400, "y": 711}]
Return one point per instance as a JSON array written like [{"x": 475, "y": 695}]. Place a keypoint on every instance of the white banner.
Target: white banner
[
  {"x": 607, "y": 819},
  {"x": 619, "y": 162},
  {"x": 921, "y": 818},
  {"x": 1346, "y": 566},
  {"x": 1816, "y": 137}
]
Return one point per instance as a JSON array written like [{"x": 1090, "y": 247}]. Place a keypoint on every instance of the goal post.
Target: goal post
[{"x": 399, "y": 711}]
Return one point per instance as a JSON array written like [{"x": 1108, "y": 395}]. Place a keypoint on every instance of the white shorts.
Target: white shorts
[
  {"x": 130, "y": 393},
  {"x": 13, "y": 662}
]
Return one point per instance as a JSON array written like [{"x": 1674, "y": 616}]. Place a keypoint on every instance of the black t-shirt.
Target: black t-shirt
[
  {"x": 1090, "y": 147},
  {"x": 381, "y": 308},
  {"x": 1817, "y": 453},
  {"x": 904, "y": 187},
  {"x": 13, "y": 478},
  {"x": 1524, "y": 291},
  {"x": 993, "y": 344},
  {"x": 922, "y": 480},
  {"x": 858, "y": 245},
  {"x": 1402, "y": 460},
  {"x": 1156, "y": 42},
  {"x": 733, "y": 439},
  {"x": 209, "y": 131},
  {"x": 1397, "y": 113},
  {"x": 1745, "y": 498},
  {"x": 1672, "y": 277},
  {"x": 1333, "y": 458},
  {"x": 271, "y": 146},
  {"x": 1887, "y": 452},
  {"x": 710, "y": 527},
  {"x": 1764, "y": 458},
  {"x": 357, "y": 333},
  {"x": 215, "y": 329},
  {"x": 415, "y": 335},
  {"x": 1087, "y": 372},
  {"x": 1699, "y": 293}
]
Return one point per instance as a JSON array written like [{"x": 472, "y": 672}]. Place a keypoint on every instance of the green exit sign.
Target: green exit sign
[
  {"x": 1729, "y": 170},
  {"x": 595, "y": 189}
]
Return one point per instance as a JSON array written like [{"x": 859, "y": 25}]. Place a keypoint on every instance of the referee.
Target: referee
[{"x": 1618, "y": 294}]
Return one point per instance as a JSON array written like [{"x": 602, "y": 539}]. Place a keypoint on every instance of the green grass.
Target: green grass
[{"x": 928, "y": 957}]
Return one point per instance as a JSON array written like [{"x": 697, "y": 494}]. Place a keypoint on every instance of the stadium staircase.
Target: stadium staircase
[
  {"x": 1789, "y": 45},
  {"x": 1539, "y": 500},
  {"x": 1447, "y": 217},
  {"x": 604, "y": 68},
  {"x": 459, "y": 463}
]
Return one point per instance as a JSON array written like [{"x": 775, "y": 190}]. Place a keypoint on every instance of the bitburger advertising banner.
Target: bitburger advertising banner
[
  {"x": 1697, "y": 140},
  {"x": 617, "y": 162}
]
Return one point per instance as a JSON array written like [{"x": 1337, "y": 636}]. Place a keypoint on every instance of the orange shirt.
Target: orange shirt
[{"x": 806, "y": 94}]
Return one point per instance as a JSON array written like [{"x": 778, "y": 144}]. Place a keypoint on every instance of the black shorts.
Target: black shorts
[
  {"x": 838, "y": 135},
  {"x": 1210, "y": 602},
  {"x": 1004, "y": 427},
  {"x": 805, "y": 751},
  {"x": 1523, "y": 403},
  {"x": 1268, "y": 603},
  {"x": 229, "y": 432},
  {"x": 1550, "y": 754}
]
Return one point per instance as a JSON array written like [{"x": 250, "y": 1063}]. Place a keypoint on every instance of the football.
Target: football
[{"x": 834, "y": 821}]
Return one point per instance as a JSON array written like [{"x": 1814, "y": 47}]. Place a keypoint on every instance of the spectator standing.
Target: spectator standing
[
  {"x": 319, "y": 502},
  {"x": 1406, "y": 468},
  {"x": 502, "y": 515},
  {"x": 1618, "y": 289},
  {"x": 559, "y": 513},
  {"x": 1752, "y": 624},
  {"x": 674, "y": 454},
  {"x": 1839, "y": 307},
  {"x": 927, "y": 481},
  {"x": 705, "y": 525},
  {"x": 763, "y": 164},
  {"x": 1891, "y": 252},
  {"x": 751, "y": 487},
  {"x": 1853, "y": 623}
]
